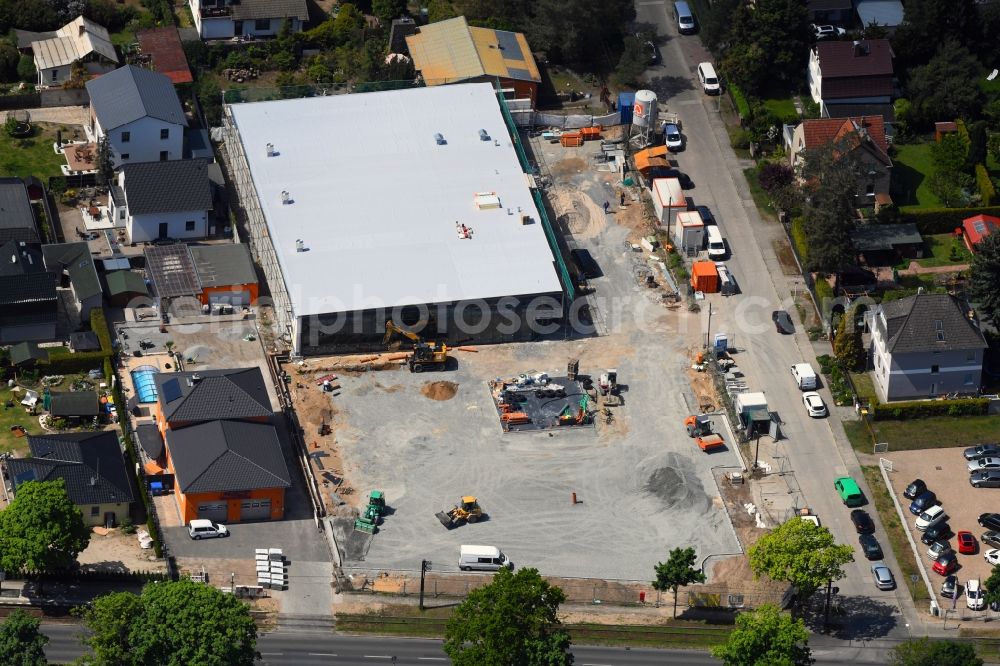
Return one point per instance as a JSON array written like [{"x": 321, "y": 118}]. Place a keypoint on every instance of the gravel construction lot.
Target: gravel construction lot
[{"x": 945, "y": 472}]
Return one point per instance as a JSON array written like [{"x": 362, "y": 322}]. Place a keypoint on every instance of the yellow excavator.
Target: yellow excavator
[
  {"x": 425, "y": 354},
  {"x": 468, "y": 511}
]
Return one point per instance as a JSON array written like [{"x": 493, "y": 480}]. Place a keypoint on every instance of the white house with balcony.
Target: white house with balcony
[
  {"x": 160, "y": 200},
  {"x": 139, "y": 114},
  {"x": 226, "y": 19}
]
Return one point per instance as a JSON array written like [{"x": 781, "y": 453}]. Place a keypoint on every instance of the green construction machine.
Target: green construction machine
[{"x": 372, "y": 514}]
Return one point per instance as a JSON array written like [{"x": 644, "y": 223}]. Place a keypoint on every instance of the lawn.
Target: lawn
[
  {"x": 759, "y": 195},
  {"x": 930, "y": 433},
  {"x": 945, "y": 250},
  {"x": 783, "y": 108},
  {"x": 864, "y": 386},
  {"x": 32, "y": 156},
  {"x": 17, "y": 415},
  {"x": 911, "y": 171}
]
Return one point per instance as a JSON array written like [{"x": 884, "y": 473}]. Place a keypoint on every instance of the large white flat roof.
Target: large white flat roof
[{"x": 375, "y": 199}]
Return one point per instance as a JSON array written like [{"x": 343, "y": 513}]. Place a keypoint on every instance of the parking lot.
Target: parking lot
[{"x": 945, "y": 472}]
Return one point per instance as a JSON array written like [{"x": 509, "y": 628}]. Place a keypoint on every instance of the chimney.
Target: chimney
[
  {"x": 83, "y": 29},
  {"x": 861, "y": 49},
  {"x": 195, "y": 378}
]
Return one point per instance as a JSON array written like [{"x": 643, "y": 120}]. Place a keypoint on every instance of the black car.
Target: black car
[
  {"x": 862, "y": 521},
  {"x": 585, "y": 263},
  {"x": 990, "y": 521},
  {"x": 870, "y": 546},
  {"x": 783, "y": 322},
  {"x": 991, "y": 538},
  {"x": 982, "y": 451},
  {"x": 949, "y": 588},
  {"x": 935, "y": 533},
  {"x": 916, "y": 487},
  {"x": 706, "y": 214},
  {"x": 922, "y": 502}
]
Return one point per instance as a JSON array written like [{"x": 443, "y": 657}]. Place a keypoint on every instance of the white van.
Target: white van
[
  {"x": 708, "y": 78},
  {"x": 482, "y": 558},
  {"x": 714, "y": 241},
  {"x": 684, "y": 18},
  {"x": 206, "y": 529},
  {"x": 805, "y": 376}
]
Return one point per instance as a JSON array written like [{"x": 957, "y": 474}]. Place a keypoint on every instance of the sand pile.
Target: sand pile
[{"x": 439, "y": 390}]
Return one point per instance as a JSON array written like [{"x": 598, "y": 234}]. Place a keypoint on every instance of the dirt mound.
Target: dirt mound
[{"x": 439, "y": 390}]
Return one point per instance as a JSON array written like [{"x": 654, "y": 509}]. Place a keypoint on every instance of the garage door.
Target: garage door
[
  {"x": 238, "y": 298},
  {"x": 216, "y": 512},
  {"x": 255, "y": 510}
]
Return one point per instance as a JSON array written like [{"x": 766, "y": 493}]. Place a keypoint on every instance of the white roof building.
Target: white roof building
[{"x": 365, "y": 197}]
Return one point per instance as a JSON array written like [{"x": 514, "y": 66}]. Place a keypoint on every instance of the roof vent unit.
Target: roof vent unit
[
  {"x": 486, "y": 200},
  {"x": 439, "y": 138},
  {"x": 464, "y": 232},
  {"x": 484, "y": 135},
  {"x": 300, "y": 245},
  {"x": 270, "y": 150},
  {"x": 195, "y": 378},
  {"x": 285, "y": 198}
]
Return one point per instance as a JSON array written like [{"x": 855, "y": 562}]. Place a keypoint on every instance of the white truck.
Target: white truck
[{"x": 805, "y": 376}]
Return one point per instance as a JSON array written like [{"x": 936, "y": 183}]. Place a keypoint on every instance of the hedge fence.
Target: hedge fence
[
  {"x": 917, "y": 409},
  {"x": 932, "y": 221},
  {"x": 987, "y": 192},
  {"x": 64, "y": 362}
]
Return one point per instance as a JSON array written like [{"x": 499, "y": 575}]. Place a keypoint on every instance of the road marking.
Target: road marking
[
  {"x": 432, "y": 658},
  {"x": 321, "y": 654},
  {"x": 595, "y": 664},
  {"x": 377, "y": 656},
  {"x": 271, "y": 654}
]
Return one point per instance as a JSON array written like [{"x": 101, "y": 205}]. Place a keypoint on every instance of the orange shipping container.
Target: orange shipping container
[
  {"x": 571, "y": 140},
  {"x": 590, "y": 133},
  {"x": 705, "y": 277}
]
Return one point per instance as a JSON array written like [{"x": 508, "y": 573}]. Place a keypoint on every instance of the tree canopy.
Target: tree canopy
[
  {"x": 764, "y": 46},
  {"x": 944, "y": 88},
  {"x": 928, "y": 23},
  {"x": 677, "y": 571},
  {"x": 848, "y": 345},
  {"x": 830, "y": 176},
  {"x": 513, "y": 620},
  {"x": 41, "y": 530},
  {"x": 766, "y": 637},
  {"x": 985, "y": 276},
  {"x": 21, "y": 643},
  {"x": 171, "y": 624},
  {"x": 927, "y": 652},
  {"x": 801, "y": 553}
]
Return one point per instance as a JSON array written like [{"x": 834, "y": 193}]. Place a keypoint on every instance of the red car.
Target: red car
[
  {"x": 946, "y": 564},
  {"x": 967, "y": 544}
]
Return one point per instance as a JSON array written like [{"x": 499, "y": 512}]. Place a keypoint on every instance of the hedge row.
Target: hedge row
[
  {"x": 917, "y": 409},
  {"x": 987, "y": 192},
  {"x": 99, "y": 325},
  {"x": 931, "y": 221},
  {"x": 799, "y": 239},
  {"x": 741, "y": 103}
]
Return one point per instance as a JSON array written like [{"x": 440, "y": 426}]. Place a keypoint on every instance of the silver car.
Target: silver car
[
  {"x": 985, "y": 478},
  {"x": 883, "y": 576},
  {"x": 982, "y": 451},
  {"x": 984, "y": 463}
]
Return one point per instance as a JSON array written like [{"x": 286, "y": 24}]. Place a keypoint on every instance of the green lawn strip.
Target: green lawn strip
[
  {"x": 912, "y": 169},
  {"x": 781, "y": 107},
  {"x": 936, "y": 432},
  {"x": 123, "y": 38},
  {"x": 33, "y": 156},
  {"x": 759, "y": 195},
  {"x": 17, "y": 415},
  {"x": 857, "y": 434},
  {"x": 863, "y": 385},
  {"x": 942, "y": 248},
  {"x": 897, "y": 538}
]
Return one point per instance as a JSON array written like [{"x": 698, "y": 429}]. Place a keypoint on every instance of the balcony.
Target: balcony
[{"x": 215, "y": 12}]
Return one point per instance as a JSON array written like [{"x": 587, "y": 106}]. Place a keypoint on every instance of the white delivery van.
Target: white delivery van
[
  {"x": 684, "y": 18},
  {"x": 708, "y": 78},
  {"x": 804, "y": 376},
  {"x": 715, "y": 242},
  {"x": 206, "y": 529},
  {"x": 482, "y": 558}
]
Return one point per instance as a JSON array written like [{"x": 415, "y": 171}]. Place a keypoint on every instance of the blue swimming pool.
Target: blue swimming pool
[{"x": 142, "y": 380}]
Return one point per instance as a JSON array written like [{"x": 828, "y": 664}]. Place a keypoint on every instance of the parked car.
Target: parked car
[
  {"x": 982, "y": 451},
  {"x": 984, "y": 463},
  {"x": 206, "y": 529},
  {"x": 916, "y": 487},
  {"x": 974, "y": 595},
  {"x": 706, "y": 215},
  {"x": 814, "y": 404},
  {"x": 870, "y": 546},
  {"x": 967, "y": 543},
  {"x": 922, "y": 502},
  {"x": 585, "y": 263},
  {"x": 985, "y": 478},
  {"x": 883, "y": 576},
  {"x": 850, "y": 493},
  {"x": 991, "y": 538},
  {"x": 946, "y": 564},
  {"x": 783, "y": 322},
  {"x": 938, "y": 548},
  {"x": 932, "y": 516},
  {"x": 828, "y": 31},
  {"x": 862, "y": 521},
  {"x": 949, "y": 588},
  {"x": 672, "y": 137},
  {"x": 936, "y": 533},
  {"x": 992, "y": 556},
  {"x": 990, "y": 521},
  {"x": 654, "y": 53}
]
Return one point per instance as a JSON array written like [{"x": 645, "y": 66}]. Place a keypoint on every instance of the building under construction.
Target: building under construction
[{"x": 411, "y": 205}]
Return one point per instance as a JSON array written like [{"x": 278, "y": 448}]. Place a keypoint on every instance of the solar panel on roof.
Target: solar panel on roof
[
  {"x": 171, "y": 390},
  {"x": 172, "y": 271},
  {"x": 509, "y": 44},
  {"x": 979, "y": 226}
]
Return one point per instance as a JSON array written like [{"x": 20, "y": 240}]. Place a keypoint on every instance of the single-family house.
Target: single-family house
[
  {"x": 851, "y": 74},
  {"x": 139, "y": 114},
  {"x": 863, "y": 138},
  {"x": 220, "y": 445},
  {"x": 74, "y": 405},
  {"x": 166, "y": 55},
  {"x": 924, "y": 346},
  {"x": 452, "y": 51},
  {"x": 226, "y": 273},
  {"x": 29, "y": 303},
  {"x": 91, "y": 465},
  {"x": 72, "y": 264},
  {"x": 158, "y": 200},
  {"x": 837, "y": 12},
  {"x": 978, "y": 227},
  {"x": 79, "y": 41},
  {"x": 17, "y": 219},
  {"x": 885, "y": 13},
  {"x": 887, "y": 244},
  {"x": 225, "y": 19}
]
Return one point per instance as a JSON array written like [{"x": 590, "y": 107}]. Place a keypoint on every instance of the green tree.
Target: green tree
[
  {"x": 513, "y": 620},
  {"x": 632, "y": 63},
  {"x": 830, "y": 189},
  {"x": 21, "y": 644},
  {"x": 41, "y": 530},
  {"x": 171, "y": 624},
  {"x": 927, "y": 652},
  {"x": 716, "y": 23},
  {"x": 387, "y": 10},
  {"x": 678, "y": 571},
  {"x": 991, "y": 587},
  {"x": 766, "y": 637},
  {"x": 985, "y": 276},
  {"x": 943, "y": 89},
  {"x": 930, "y": 22},
  {"x": 9, "y": 59},
  {"x": 802, "y": 554},
  {"x": 26, "y": 69},
  {"x": 847, "y": 344}
]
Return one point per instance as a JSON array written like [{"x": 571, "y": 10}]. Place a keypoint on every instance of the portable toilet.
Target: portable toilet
[
  {"x": 689, "y": 232},
  {"x": 626, "y": 104},
  {"x": 704, "y": 277}
]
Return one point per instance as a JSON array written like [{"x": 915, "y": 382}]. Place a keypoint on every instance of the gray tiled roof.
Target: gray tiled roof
[
  {"x": 130, "y": 93},
  {"x": 18, "y": 259},
  {"x": 270, "y": 9},
  {"x": 215, "y": 394},
  {"x": 17, "y": 220},
  {"x": 223, "y": 265},
  {"x": 173, "y": 186},
  {"x": 91, "y": 464},
  {"x": 911, "y": 325},
  {"x": 75, "y": 259},
  {"x": 224, "y": 456},
  {"x": 74, "y": 403},
  {"x": 150, "y": 440}
]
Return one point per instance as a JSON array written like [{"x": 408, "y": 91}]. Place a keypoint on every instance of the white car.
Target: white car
[
  {"x": 974, "y": 595},
  {"x": 672, "y": 137},
  {"x": 932, "y": 516},
  {"x": 814, "y": 404},
  {"x": 828, "y": 31},
  {"x": 992, "y": 556},
  {"x": 984, "y": 463}
]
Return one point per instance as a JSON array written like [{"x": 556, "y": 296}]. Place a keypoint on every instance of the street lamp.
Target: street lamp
[{"x": 425, "y": 566}]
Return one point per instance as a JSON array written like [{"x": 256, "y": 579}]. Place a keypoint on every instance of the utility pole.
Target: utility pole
[
  {"x": 756, "y": 453},
  {"x": 425, "y": 566},
  {"x": 708, "y": 333},
  {"x": 829, "y": 591}
]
